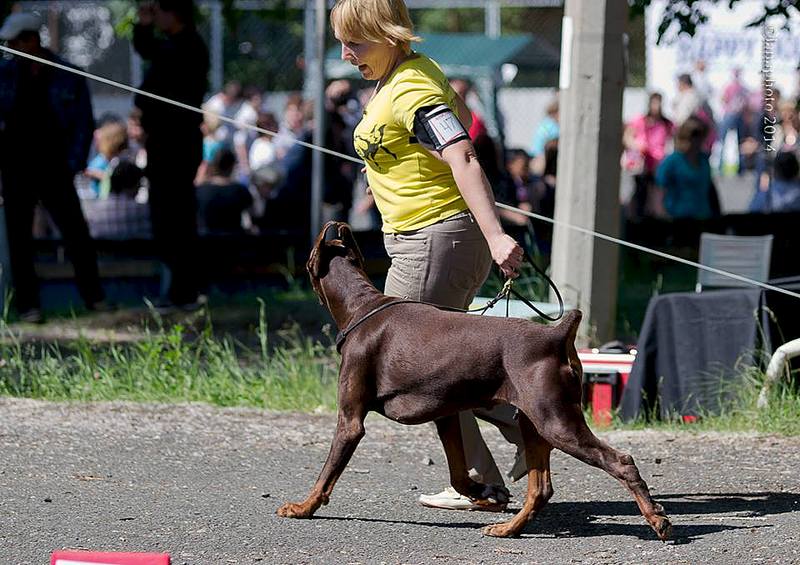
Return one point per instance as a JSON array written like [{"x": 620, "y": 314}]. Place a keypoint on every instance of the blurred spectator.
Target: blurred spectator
[
  {"x": 548, "y": 130},
  {"x": 700, "y": 80},
  {"x": 226, "y": 104},
  {"x": 688, "y": 101},
  {"x": 112, "y": 140},
  {"x": 785, "y": 138},
  {"x": 292, "y": 127},
  {"x": 119, "y": 216},
  {"x": 750, "y": 137},
  {"x": 544, "y": 188},
  {"x": 244, "y": 137},
  {"x": 337, "y": 197},
  {"x": 262, "y": 151},
  {"x": 782, "y": 194},
  {"x": 518, "y": 188},
  {"x": 136, "y": 139},
  {"x": 645, "y": 141},
  {"x": 734, "y": 103},
  {"x": 46, "y": 128},
  {"x": 288, "y": 209},
  {"x": 463, "y": 88},
  {"x": 684, "y": 177},
  {"x": 178, "y": 69},
  {"x": 339, "y": 97},
  {"x": 221, "y": 200},
  {"x": 212, "y": 144}
]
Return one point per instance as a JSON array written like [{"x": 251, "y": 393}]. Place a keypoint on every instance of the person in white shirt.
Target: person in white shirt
[{"x": 263, "y": 151}]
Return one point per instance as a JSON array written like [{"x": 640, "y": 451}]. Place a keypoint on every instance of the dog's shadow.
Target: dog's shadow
[{"x": 741, "y": 511}]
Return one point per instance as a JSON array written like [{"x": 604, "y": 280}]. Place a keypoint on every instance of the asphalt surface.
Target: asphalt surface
[{"x": 203, "y": 484}]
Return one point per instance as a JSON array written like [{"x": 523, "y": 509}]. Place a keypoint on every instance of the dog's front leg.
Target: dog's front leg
[
  {"x": 449, "y": 429},
  {"x": 349, "y": 431},
  {"x": 353, "y": 401}
]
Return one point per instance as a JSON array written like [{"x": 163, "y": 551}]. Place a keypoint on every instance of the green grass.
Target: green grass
[
  {"x": 739, "y": 411},
  {"x": 278, "y": 370},
  {"x": 171, "y": 364}
]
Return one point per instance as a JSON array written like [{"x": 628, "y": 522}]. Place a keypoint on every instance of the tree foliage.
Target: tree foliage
[{"x": 684, "y": 16}]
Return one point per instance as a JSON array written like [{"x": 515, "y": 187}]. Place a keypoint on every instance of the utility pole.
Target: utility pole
[
  {"x": 590, "y": 109},
  {"x": 316, "y": 19}
]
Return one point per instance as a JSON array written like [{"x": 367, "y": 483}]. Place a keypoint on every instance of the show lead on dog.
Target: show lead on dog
[{"x": 440, "y": 227}]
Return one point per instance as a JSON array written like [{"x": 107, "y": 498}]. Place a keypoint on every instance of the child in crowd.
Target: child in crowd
[
  {"x": 120, "y": 216},
  {"x": 112, "y": 140},
  {"x": 212, "y": 144}
]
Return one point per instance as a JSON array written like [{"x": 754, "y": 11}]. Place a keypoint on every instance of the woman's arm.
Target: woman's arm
[{"x": 474, "y": 187}]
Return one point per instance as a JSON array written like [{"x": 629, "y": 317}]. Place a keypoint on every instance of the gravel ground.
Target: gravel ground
[{"x": 203, "y": 484}]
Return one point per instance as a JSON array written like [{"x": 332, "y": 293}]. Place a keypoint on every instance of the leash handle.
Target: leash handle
[
  {"x": 508, "y": 290},
  {"x": 551, "y": 284}
]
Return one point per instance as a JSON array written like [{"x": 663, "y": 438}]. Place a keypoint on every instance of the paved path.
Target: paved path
[{"x": 203, "y": 484}]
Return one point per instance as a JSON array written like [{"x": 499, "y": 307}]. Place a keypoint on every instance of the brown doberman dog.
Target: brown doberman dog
[{"x": 415, "y": 363}]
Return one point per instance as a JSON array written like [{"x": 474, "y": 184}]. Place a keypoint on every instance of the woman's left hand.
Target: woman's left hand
[{"x": 507, "y": 253}]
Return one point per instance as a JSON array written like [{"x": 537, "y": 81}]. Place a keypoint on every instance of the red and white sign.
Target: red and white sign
[{"x": 106, "y": 558}]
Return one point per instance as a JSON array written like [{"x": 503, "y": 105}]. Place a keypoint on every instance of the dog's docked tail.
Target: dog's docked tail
[{"x": 568, "y": 330}]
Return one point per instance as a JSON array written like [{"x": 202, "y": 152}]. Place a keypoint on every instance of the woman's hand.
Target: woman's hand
[{"x": 507, "y": 253}]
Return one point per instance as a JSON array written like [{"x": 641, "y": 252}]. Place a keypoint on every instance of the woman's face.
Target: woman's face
[
  {"x": 374, "y": 60},
  {"x": 655, "y": 106}
]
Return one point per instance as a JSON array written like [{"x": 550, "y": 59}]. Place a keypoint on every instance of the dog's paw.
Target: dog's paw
[
  {"x": 293, "y": 510},
  {"x": 663, "y": 528},
  {"x": 504, "y": 530}
]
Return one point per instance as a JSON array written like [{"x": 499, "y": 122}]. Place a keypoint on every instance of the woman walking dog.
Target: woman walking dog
[{"x": 440, "y": 227}]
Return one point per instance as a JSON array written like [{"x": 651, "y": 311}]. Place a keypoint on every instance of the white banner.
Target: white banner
[{"x": 724, "y": 44}]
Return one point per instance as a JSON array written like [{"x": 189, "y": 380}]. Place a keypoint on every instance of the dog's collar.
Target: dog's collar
[{"x": 342, "y": 335}]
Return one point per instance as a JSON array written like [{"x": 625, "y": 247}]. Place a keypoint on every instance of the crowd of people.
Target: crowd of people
[
  {"x": 168, "y": 174},
  {"x": 670, "y": 158}
]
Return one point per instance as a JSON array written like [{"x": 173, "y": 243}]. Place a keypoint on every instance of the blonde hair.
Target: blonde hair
[
  {"x": 112, "y": 138},
  {"x": 377, "y": 21}
]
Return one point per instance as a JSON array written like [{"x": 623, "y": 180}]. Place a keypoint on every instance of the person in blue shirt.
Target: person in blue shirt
[
  {"x": 546, "y": 134},
  {"x": 684, "y": 177},
  {"x": 782, "y": 194}
]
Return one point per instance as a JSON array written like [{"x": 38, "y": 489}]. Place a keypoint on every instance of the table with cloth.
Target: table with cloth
[{"x": 692, "y": 351}]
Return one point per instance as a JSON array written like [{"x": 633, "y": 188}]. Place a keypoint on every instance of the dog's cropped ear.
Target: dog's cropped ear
[
  {"x": 312, "y": 265},
  {"x": 346, "y": 235}
]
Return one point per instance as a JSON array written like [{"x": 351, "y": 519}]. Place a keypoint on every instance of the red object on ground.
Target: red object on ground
[
  {"x": 92, "y": 557},
  {"x": 604, "y": 378}
]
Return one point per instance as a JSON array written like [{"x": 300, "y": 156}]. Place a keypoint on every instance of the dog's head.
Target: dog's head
[{"x": 344, "y": 245}]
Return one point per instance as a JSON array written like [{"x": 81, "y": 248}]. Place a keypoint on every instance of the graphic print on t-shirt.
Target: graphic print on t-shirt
[{"x": 374, "y": 143}]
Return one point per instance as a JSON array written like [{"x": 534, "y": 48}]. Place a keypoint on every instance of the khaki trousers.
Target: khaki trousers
[{"x": 446, "y": 264}]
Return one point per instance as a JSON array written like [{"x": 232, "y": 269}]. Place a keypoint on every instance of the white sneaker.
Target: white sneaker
[{"x": 450, "y": 499}]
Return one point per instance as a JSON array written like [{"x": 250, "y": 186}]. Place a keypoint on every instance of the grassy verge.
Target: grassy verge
[
  {"x": 279, "y": 370},
  {"x": 739, "y": 412},
  {"x": 173, "y": 365}
]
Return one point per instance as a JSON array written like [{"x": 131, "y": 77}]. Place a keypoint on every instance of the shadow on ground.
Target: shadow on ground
[{"x": 687, "y": 511}]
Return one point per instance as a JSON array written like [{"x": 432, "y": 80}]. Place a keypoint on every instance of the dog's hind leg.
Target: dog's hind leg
[
  {"x": 540, "y": 488},
  {"x": 563, "y": 425},
  {"x": 449, "y": 429},
  {"x": 349, "y": 431}
]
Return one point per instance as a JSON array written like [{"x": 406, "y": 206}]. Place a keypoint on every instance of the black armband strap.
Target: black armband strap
[{"x": 437, "y": 127}]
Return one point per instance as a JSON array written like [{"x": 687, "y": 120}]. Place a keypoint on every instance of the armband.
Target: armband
[{"x": 437, "y": 127}]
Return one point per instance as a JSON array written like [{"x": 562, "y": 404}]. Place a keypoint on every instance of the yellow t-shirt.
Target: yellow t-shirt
[{"x": 412, "y": 188}]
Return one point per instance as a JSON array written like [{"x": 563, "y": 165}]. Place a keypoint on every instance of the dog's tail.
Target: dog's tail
[{"x": 567, "y": 331}]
